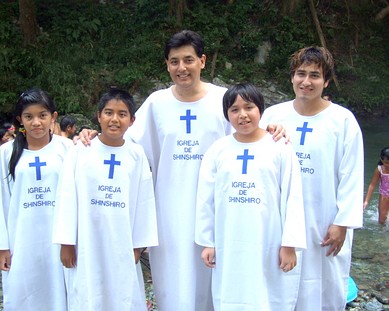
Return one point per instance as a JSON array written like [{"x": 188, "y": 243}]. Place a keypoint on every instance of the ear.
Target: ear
[
  {"x": 203, "y": 58},
  {"x": 167, "y": 65},
  {"x": 19, "y": 119},
  {"x": 55, "y": 116},
  {"x": 98, "y": 114},
  {"x": 326, "y": 83},
  {"x": 132, "y": 120}
]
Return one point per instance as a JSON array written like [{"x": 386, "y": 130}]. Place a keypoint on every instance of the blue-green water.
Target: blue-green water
[{"x": 370, "y": 264}]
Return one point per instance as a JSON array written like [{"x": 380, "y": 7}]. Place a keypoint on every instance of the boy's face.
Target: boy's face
[
  {"x": 244, "y": 117},
  {"x": 114, "y": 120},
  {"x": 185, "y": 66},
  {"x": 308, "y": 82},
  {"x": 71, "y": 130}
]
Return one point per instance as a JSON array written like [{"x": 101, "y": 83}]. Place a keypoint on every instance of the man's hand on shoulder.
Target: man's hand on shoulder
[{"x": 85, "y": 136}]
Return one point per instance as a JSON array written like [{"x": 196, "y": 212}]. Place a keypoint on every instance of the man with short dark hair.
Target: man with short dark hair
[{"x": 329, "y": 146}]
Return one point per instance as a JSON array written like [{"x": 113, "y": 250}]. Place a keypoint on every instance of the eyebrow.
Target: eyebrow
[
  {"x": 27, "y": 113},
  {"x": 303, "y": 70},
  {"x": 185, "y": 57},
  {"x": 111, "y": 109}
]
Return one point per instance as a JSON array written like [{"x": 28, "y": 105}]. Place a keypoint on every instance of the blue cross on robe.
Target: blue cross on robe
[
  {"x": 305, "y": 129},
  {"x": 188, "y": 118},
  {"x": 112, "y": 164},
  {"x": 37, "y": 165},
  {"x": 245, "y": 157}
]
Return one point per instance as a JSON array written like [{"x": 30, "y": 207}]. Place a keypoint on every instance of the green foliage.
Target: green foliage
[{"x": 86, "y": 47}]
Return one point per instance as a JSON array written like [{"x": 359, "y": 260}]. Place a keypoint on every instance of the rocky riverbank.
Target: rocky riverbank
[{"x": 373, "y": 293}]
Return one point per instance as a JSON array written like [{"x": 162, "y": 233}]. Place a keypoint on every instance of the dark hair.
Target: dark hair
[
  {"x": 249, "y": 92},
  {"x": 30, "y": 97},
  {"x": 2, "y": 133},
  {"x": 117, "y": 94},
  {"x": 313, "y": 55},
  {"x": 65, "y": 122},
  {"x": 7, "y": 125},
  {"x": 384, "y": 156},
  {"x": 185, "y": 37}
]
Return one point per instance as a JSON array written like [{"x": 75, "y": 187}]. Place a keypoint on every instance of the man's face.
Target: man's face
[
  {"x": 185, "y": 66},
  {"x": 308, "y": 82}
]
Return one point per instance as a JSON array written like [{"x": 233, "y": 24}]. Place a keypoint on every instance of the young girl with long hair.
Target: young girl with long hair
[{"x": 32, "y": 274}]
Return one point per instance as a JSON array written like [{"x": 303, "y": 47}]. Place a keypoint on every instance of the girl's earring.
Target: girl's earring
[{"x": 22, "y": 130}]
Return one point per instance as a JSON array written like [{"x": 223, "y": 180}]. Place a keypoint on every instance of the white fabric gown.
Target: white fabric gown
[
  {"x": 175, "y": 135},
  {"x": 329, "y": 147},
  {"x": 106, "y": 208},
  {"x": 36, "y": 278},
  {"x": 247, "y": 210}
]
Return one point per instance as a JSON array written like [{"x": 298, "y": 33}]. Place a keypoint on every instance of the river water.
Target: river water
[{"x": 370, "y": 262}]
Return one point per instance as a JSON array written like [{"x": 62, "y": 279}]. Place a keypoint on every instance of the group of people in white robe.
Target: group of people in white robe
[{"x": 235, "y": 216}]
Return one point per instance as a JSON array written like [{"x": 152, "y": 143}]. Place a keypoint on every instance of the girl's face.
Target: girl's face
[
  {"x": 385, "y": 164},
  {"x": 244, "y": 117},
  {"x": 114, "y": 120},
  {"x": 37, "y": 121}
]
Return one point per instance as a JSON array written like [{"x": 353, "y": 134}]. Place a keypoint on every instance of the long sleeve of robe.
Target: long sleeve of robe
[
  {"x": 106, "y": 208},
  {"x": 329, "y": 147},
  {"x": 247, "y": 209}
]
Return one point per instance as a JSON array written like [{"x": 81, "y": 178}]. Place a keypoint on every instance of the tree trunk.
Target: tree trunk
[
  {"x": 288, "y": 7},
  {"x": 28, "y": 22},
  {"x": 320, "y": 34},
  {"x": 177, "y": 7},
  {"x": 381, "y": 14}
]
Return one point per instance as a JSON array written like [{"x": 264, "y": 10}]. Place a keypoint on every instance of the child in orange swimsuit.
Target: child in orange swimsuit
[{"x": 381, "y": 174}]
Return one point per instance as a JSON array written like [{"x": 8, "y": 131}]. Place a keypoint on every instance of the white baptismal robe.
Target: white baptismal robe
[
  {"x": 36, "y": 278},
  {"x": 249, "y": 205},
  {"x": 329, "y": 147},
  {"x": 175, "y": 135},
  {"x": 106, "y": 208}
]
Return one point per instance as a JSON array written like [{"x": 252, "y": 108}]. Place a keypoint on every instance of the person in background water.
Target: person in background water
[
  {"x": 32, "y": 273},
  {"x": 381, "y": 176},
  {"x": 329, "y": 146},
  {"x": 8, "y": 132},
  {"x": 176, "y": 126},
  {"x": 249, "y": 187},
  {"x": 68, "y": 126},
  {"x": 105, "y": 213}
]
